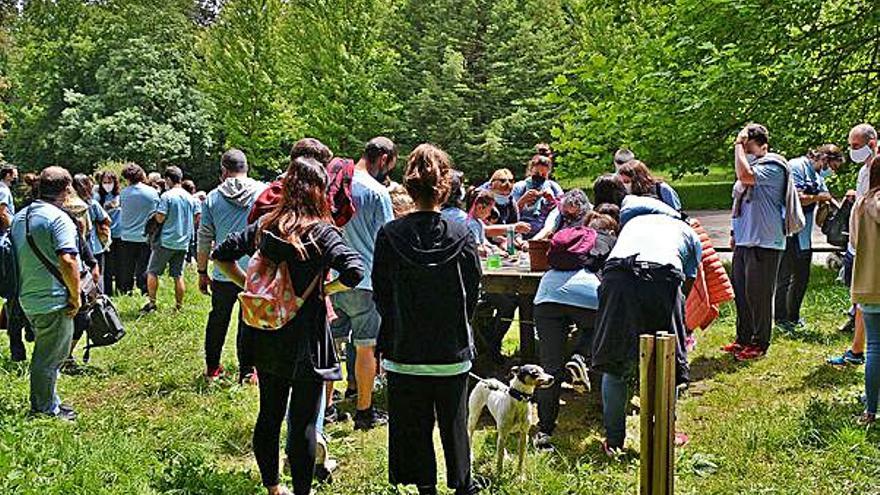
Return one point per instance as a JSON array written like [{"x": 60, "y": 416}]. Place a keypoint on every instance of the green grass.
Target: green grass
[
  {"x": 148, "y": 424},
  {"x": 710, "y": 191}
]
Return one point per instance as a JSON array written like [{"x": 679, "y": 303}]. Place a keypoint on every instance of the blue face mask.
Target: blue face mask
[
  {"x": 502, "y": 200},
  {"x": 826, "y": 172}
]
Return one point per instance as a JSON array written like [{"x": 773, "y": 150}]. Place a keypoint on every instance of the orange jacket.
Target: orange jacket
[{"x": 712, "y": 286}]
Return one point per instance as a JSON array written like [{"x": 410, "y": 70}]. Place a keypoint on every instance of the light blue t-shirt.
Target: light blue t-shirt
[
  {"x": 96, "y": 215},
  {"x": 54, "y": 233},
  {"x": 177, "y": 229},
  {"x": 138, "y": 204},
  {"x": 669, "y": 196},
  {"x": 454, "y": 214},
  {"x": 577, "y": 288},
  {"x": 761, "y": 222},
  {"x": 537, "y": 213},
  {"x": 634, "y": 206},
  {"x": 113, "y": 209},
  {"x": 7, "y": 199},
  {"x": 660, "y": 239},
  {"x": 373, "y": 210},
  {"x": 225, "y": 217},
  {"x": 806, "y": 179},
  {"x": 478, "y": 230}
]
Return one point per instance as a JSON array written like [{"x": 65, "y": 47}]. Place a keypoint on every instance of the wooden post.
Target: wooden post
[
  {"x": 647, "y": 376},
  {"x": 664, "y": 430}
]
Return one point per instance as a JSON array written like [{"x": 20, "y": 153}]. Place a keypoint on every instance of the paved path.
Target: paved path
[{"x": 717, "y": 224}]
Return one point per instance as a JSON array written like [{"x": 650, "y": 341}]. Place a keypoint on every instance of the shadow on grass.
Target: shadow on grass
[
  {"x": 706, "y": 368},
  {"x": 828, "y": 377}
]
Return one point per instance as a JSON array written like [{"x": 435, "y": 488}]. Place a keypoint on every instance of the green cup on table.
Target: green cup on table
[{"x": 493, "y": 262}]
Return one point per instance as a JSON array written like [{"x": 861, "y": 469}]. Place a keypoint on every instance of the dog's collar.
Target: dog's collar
[{"x": 517, "y": 395}]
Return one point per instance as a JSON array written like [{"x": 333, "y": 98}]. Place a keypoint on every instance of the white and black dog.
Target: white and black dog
[{"x": 509, "y": 406}]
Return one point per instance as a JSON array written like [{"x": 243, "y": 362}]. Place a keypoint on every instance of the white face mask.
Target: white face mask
[
  {"x": 751, "y": 158},
  {"x": 860, "y": 155},
  {"x": 628, "y": 186},
  {"x": 107, "y": 187}
]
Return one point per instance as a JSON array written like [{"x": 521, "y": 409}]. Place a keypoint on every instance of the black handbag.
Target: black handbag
[
  {"x": 87, "y": 287},
  {"x": 836, "y": 226}
]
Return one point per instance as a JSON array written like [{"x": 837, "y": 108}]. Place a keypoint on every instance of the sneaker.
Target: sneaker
[
  {"x": 732, "y": 348},
  {"x": 866, "y": 419},
  {"x": 70, "y": 367},
  {"x": 577, "y": 367},
  {"x": 849, "y": 326},
  {"x": 337, "y": 395},
  {"x": 543, "y": 441},
  {"x": 681, "y": 439},
  {"x": 368, "y": 419},
  {"x": 750, "y": 353},
  {"x": 333, "y": 415},
  {"x": 149, "y": 308},
  {"x": 64, "y": 413},
  {"x": 611, "y": 451},
  {"x": 249, "y": 378},
  {"x": 350, "y": 393},
  {"x": 848, "y": 357},
  {"x": 214, "y": 374}
]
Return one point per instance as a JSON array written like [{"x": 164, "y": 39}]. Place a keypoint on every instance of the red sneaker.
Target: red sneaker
[
  {"x": 214, "y": 374},
  {"x": 750, "y": 353},
  {"x": 732, "y": 348}
]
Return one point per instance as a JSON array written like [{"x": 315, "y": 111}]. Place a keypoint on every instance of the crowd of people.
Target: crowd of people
[{"x": 390, "y": 274}]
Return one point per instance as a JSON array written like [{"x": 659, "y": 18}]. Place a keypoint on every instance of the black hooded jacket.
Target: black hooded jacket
[{"x": 426, "y": 282}]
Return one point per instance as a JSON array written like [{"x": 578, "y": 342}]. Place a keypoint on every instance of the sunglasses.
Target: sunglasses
[{"x": 504, "y": 181}]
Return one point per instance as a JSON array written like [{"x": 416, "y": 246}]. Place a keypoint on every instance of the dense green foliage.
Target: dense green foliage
[{"x": 177, "y": 81}]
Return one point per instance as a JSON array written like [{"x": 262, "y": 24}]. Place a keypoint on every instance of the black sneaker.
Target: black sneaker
[
  {"x": 149, "y": 308},
  {"x": 333, "y": 415},
  {"x": 350, "y": 393},
  {"x": 65, "y": 413},
  {"x": 368, "y": 419},
  {"x": 70, "y": 367},
  {"x": 543, "y": 441}
]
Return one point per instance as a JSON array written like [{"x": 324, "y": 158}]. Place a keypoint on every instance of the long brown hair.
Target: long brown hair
[
  {"x": 303, "y": 203},
  {"x": 642, "y": 181}
]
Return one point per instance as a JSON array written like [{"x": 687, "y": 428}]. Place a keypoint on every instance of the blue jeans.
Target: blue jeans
[
  {"x": 614, "y": 397},
  {"x": 872, "y": 361},
  {"x": 53, "y": 333}
]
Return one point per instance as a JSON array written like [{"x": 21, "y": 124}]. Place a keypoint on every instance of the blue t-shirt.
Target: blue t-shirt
[
  {"x": 577, "y": 288},
  {"x": 634, "y": 206},
  {"x": 177, "y": 229},
  {"x": 454, "y": 214},
  {"x": 669, "y": 196},
  {"x": 7, "y": 199},
  {"x": 660, "y": 239},
  {"x": 478, "y": 230},
  {"x": 761, "y": 222},
  {"x": 112, "y": 207},
  {"x": 138, "y": 204},
  {"x": 807, "y": 180},
  {"x": 536, "y": 214},
  {"x": 373, "y": 210},
  {"x": 96, "y": 215},
  {"x": 225, "y": 217},
  {"x": 54, "y": 233}
]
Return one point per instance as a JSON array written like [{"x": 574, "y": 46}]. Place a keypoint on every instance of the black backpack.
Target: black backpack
[
  {"x": 106, "y": 326},
  {"x": 836, "y": 226},
  {"x": 8, "y": 267}
]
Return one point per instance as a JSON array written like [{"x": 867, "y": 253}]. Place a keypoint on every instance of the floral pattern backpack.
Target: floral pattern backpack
[{"x": 269, "y": 300}]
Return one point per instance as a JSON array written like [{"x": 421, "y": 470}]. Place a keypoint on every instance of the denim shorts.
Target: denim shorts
[
  {"x": 162, "y": 257},
  {"x": 357, "y": 317}
]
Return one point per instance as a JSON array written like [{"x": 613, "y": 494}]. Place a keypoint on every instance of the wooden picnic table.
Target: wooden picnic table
[{"x": 509, "y": 280}]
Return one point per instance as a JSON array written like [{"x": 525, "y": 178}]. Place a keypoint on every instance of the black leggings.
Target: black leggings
[
  {"x": 415, "y": 405},
  {"x": 553, "y": 322},
  {"x": 303, "y": 414},
  {"x": 132, "y": 266}
]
